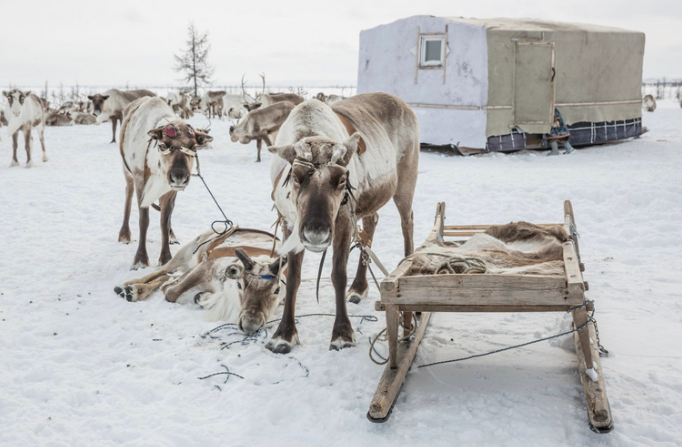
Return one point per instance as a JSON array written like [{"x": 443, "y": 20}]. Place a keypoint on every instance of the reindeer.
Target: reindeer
[
  {"x": 211, "y": 104},
  {"x": 266, "y": 100},
  {"x": 236, "y": 273},
  {"x": 155, "y": 171},
  {"x": 25, "y": 112},
  {"x": 344, "y": 163},
  {"x": 233, "y": 105},
  {"x": 261, "y": 125},
  {"x": 3, "y": 121},
  {"x": 180, "y": 103},
  {"x": 84, "y": 118},
  {"x": 329, "y": 99},
  {"x": 649, "y": 103},
  {"x": 59, "y": 119},
  {"x": 111, "y": 104}
]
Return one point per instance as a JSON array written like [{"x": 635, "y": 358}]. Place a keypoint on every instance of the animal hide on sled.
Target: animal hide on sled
[{"x": 518, "y": 248}]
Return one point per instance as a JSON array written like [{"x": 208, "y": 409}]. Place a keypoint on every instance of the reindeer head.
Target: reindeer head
[
  {"x": 178, "y": 142},
  {"x": 98, "y": 103},
  {"x": 247, "y": 102},
  {"x": 259, "y": 288},
  {"x": 319, "y": 177},
  {"x": 15, "y": 99},
  {"x": 321, "y": 97}
]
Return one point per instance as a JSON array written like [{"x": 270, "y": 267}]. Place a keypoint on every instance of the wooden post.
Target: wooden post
[
  {"x": 580, "y": 317},
  {"x": 392, "y": 325}
]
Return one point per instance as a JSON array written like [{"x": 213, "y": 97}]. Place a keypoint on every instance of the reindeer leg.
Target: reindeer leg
[
  {"x": 140, "y": 291},
  {"x": 342, "y": 334},
  {"x": 286, "y": 335},
  {"x": 141, "y": 257},
  {"x": 15, "y": 146},
  {"x": 192, "y": 278},
  {"x": 113, "y": 129},
  {"x": 358, "y": 289},
  {"x": 167, "y": 203},
  {"x": 27, "y": 145},
  {"x": 124, "y": 233},
  {"x": 41, "y": 135},
  {"x": 259, "y": 145}
]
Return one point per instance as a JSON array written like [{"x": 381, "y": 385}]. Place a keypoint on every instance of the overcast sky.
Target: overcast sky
[{"x": 125, "y": 41}]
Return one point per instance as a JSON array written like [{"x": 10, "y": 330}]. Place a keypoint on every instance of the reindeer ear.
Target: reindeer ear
[
  {"x": 90, "y": 97},
  {"x": 274, "y": 267},
  {"x": 244, "y": 257},
  {"x": 156, "y": 134},
  {"x": 286, "y": 152},
  {"x": 105, "y": 97},
  {"x": 27, "y": 94},
  {"x": 203, "y": 138}
]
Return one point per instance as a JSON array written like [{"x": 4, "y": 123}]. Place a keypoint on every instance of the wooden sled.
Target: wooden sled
[{"x": 403, "y": 295}]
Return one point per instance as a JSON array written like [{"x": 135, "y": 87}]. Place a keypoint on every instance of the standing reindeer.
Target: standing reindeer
[
  {"x": 344, "y": 163},
  {"x": 111, "y": 104},
  {"x": 649, "y": 103},
  {"x": 25, "y": 112},
  {"x": 268, "y": 99},
  {"x": 261, "y": 125},
  {"x": 155, "y": 171}
]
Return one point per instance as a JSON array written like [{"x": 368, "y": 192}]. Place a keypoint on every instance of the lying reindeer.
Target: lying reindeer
[
  {"x": 156, "y": 168},
  {"x": 261, "y": 125},
  {"x": 237, "y": 277},
  {"x": 59, "y": 119}
]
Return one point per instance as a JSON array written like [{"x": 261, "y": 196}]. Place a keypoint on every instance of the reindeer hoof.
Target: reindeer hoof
[
  {"x": 139, "y": 264},
  {"x": 45, "y": 159},
  {"x": 197, "y": 298},
  {"x": 341, "y": 343},
  {"x": 355, "y": 297},
  {"x": 280, "y": 346},
  {"x": 118, "y": 291},
  {"x": 14, "y": 164},
  {"x": 30, "y": 164}
]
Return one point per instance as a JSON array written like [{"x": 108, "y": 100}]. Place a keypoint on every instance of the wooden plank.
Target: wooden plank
[
  {"x": 485, "y": 227},
  {"x": 574, "y": 277},
  {"x": 392, "y": 379},
  {"x": 437, "y": 231},
  {"x": 598, "y": 409},
  {"x": 380, "y": 307},
  {"x": 390, "y": 283}
]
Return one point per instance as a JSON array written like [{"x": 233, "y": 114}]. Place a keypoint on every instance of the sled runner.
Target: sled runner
[{"x": 404, "y": 293}]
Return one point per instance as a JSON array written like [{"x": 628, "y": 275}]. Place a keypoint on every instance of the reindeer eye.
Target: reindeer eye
[
  {"x": 239, "y": 286},
  {"x": 276, "y": 291}
]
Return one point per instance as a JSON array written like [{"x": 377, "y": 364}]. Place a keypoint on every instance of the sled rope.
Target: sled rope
[{"x": 589, "y": 320}]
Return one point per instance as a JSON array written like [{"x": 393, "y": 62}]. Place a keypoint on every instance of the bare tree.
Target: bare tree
[{"x": 194, "y": 60}]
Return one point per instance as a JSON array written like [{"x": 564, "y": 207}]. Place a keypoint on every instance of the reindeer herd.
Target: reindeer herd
[{"x": 336, "y": 161}]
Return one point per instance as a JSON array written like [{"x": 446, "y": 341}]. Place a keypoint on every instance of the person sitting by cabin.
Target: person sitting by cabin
[{"x": 559, "y": 134}]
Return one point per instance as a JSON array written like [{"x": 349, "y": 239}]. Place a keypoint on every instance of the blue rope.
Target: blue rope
[{"x": 589, "y": 319}]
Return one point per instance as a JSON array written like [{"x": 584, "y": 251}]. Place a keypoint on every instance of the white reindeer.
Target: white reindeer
[{"x": 24, "y": 111}]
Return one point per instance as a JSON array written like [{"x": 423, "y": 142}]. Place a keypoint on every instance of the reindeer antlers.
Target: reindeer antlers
[{"x": 263, "y": 77}]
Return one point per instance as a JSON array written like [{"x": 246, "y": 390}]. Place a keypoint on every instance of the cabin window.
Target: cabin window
[{"x": 431, "y": 50}]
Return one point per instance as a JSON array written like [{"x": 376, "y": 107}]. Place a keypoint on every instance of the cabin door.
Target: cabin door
[{"x": 534, "y": 86}]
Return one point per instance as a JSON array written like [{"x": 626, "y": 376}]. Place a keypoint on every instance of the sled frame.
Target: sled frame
[{"x": 423, "y": 294}]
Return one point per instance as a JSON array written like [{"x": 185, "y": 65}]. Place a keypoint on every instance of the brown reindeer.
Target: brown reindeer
[
  {"x": 111, "y": 104},
  {"x": 261, "y": 125},
  {"x": 236, "y": 274},
  {"x": 155, "y": 168},
  {"x": 346, "y": 163},
  {"x": 267, "y": 99}
]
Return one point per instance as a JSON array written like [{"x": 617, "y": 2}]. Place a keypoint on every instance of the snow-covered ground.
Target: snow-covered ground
[{"x": 79, "y": 366}]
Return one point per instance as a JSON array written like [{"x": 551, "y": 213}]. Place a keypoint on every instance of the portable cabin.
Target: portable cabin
[{"x": 493, "y": 84}]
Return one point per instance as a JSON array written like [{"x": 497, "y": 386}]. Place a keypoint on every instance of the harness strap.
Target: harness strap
[{"x": 224, "y": 252}]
